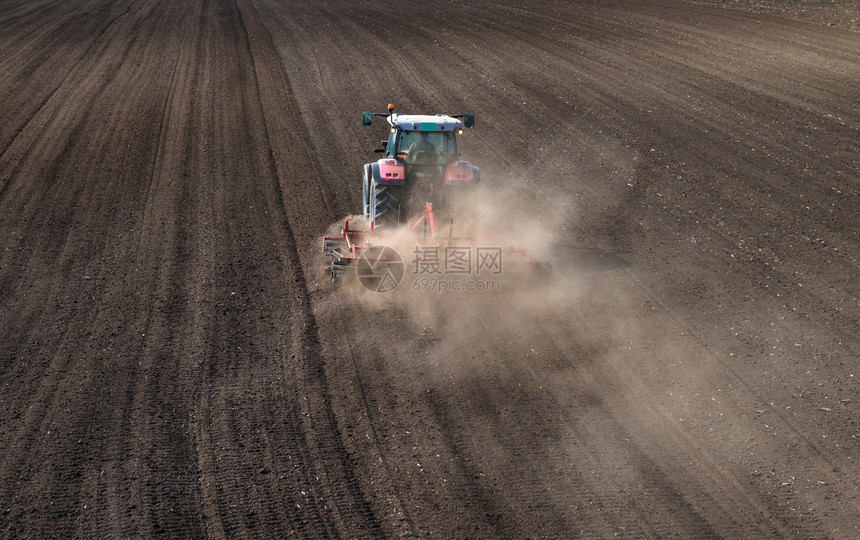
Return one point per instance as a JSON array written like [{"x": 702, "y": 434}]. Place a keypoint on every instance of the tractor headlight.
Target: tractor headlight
[{"x": 459, "y": 132}]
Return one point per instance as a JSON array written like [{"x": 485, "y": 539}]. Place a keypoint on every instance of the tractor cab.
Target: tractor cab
[
  {"x": 423, "y": 147},
  {"x": 422, "y": 139}
]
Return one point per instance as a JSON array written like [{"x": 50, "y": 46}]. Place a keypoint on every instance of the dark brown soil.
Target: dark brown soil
[
  {"x": 837, "y": 13},
  {"x": 174, "y": 361}
]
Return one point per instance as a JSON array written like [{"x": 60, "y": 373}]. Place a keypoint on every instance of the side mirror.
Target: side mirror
[
  {"x": 366, "y": 118},
  {"x": 469, "y": 120},
  {"x": 378, "y": 150},
  {"x": 384, "y": 143}
]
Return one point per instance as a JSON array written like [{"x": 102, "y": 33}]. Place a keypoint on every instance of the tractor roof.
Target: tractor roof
[{"x": 424, "y": 122}]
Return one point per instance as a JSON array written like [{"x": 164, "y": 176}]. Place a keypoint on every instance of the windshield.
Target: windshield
[{"x": 432, "y": 147}]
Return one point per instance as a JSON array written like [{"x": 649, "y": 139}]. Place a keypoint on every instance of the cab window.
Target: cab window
[{"x": 434, "y": 147}]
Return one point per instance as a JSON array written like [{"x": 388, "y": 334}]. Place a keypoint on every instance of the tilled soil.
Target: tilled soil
[
  {"x": 839, "y": 13},
  {"x": 174, "y": 360}
]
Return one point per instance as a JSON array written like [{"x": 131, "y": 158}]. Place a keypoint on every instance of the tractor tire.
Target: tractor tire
[
  {"x": 367, "y": 181},
  {"x": 386, "y": 210}
]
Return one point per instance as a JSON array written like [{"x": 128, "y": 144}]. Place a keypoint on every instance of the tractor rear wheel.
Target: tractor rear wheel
[
  {"x": 366, "y": 183},
  {"x": 386, "y": 209}
]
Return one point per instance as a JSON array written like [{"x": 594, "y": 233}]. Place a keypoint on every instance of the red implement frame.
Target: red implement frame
[{"x": 348, "y": 246}]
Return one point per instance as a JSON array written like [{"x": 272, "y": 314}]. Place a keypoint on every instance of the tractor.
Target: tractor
[
  {"x": 420, "y": 165},
  {"x": 419, "y": 180}
]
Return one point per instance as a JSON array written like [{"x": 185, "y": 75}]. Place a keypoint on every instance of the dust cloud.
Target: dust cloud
[{"x": 457, "y": 317}]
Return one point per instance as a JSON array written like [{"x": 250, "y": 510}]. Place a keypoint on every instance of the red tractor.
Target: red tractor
[
  {"x": 419, "y": 179},
  {"x": 420, "y": 165}
]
